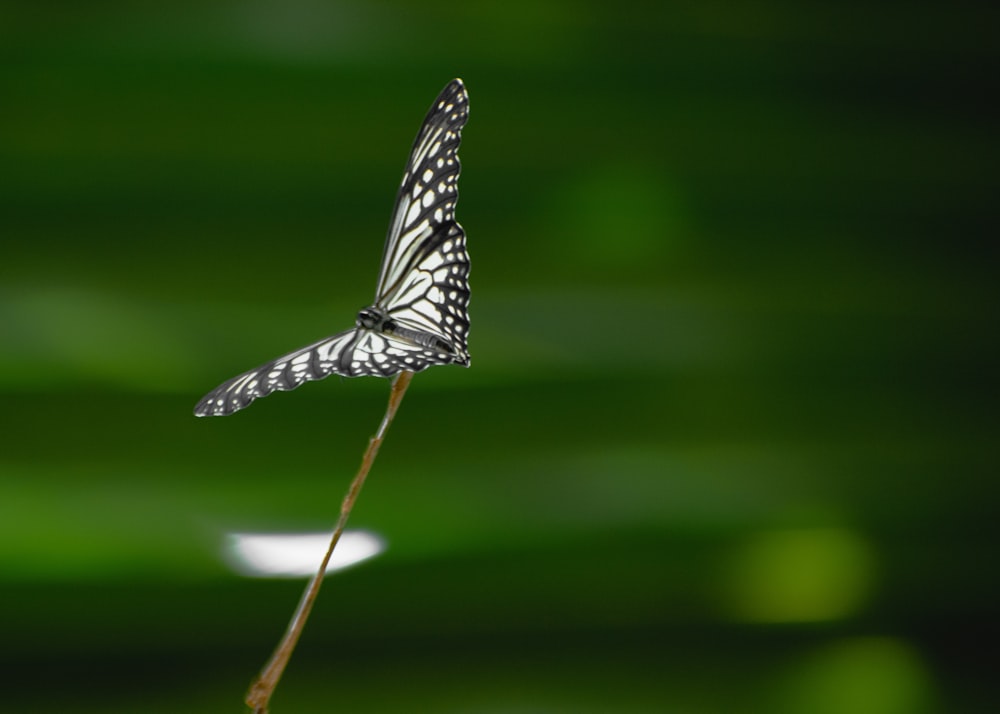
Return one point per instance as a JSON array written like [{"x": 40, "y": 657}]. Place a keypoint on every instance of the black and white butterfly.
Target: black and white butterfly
[{"x": 420, "y": 316}]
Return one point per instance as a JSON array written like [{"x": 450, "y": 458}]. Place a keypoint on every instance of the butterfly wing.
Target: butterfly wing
[
  {"x": 424, "y": 279},
  {"x": 334, "y": 355}
]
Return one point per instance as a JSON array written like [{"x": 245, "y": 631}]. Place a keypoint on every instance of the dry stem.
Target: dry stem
[{"x": 263, "y": 687}]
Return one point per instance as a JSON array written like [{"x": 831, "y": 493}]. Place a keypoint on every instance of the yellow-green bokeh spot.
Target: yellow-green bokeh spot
[
  {"x": 866, "y": 675},
  {"x": 806, "y": 575}
]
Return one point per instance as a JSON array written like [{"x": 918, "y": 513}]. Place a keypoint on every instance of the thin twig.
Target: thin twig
[{"x": 263, "y": 687}]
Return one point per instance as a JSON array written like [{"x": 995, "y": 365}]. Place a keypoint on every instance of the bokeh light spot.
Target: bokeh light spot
[
  {"x": 295, "y": 555},
  {"x": 803, "y": 575},
  {"x": 858, "y": 676}
]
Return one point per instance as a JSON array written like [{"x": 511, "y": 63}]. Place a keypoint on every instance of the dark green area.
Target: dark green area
[{"x": 729, "y": 438}]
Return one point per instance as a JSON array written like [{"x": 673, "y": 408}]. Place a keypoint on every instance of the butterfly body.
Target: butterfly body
[
  {"x": 420, "y": 314},
  {"x": 372, "y": 318}
]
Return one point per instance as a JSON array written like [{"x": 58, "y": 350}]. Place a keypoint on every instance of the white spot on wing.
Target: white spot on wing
[
  {"x": 413, "y": 214},
  {"x": 432, "y": 261}
]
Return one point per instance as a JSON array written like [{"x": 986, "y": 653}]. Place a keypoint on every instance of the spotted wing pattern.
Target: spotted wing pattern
[{"x": 423, "y": 283}]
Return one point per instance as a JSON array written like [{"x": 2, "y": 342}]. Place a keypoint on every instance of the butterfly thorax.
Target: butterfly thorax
[{"x": 373, "y": 319}]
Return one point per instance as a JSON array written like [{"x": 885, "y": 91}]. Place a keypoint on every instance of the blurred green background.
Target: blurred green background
[{"x": 728, "y": 442}]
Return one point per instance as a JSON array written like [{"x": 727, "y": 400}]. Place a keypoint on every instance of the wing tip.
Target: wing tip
[
  {"x": 455, "y": 89},
  {"x": 203, "y": 408},
  {"x": 211, "y": 406}
]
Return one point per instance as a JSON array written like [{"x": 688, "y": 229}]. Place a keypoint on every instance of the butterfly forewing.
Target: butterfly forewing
[
  {"x": 422, "y": 287},
  {"x": 321, "y": 359},
  {"x": 425, "y": 204}
]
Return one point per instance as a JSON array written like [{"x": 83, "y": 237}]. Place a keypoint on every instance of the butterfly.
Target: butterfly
[{"x": 420, "y": 316}]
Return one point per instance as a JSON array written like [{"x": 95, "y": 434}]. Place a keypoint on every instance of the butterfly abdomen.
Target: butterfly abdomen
[
  {"x": 371, "y": 318},
  {"x": 424, "y": 339}
]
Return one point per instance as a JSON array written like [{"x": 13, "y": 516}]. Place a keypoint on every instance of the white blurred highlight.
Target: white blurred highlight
[{"x": 296, "y": 555}]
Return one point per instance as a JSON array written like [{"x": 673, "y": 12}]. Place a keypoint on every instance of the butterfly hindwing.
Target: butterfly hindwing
[
  {"x": 434, "y": 296},
  {"x": 391, "y": 355}
]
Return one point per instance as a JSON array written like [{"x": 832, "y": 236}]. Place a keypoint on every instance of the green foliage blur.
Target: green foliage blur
[{"x": 729, "y": 438}]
